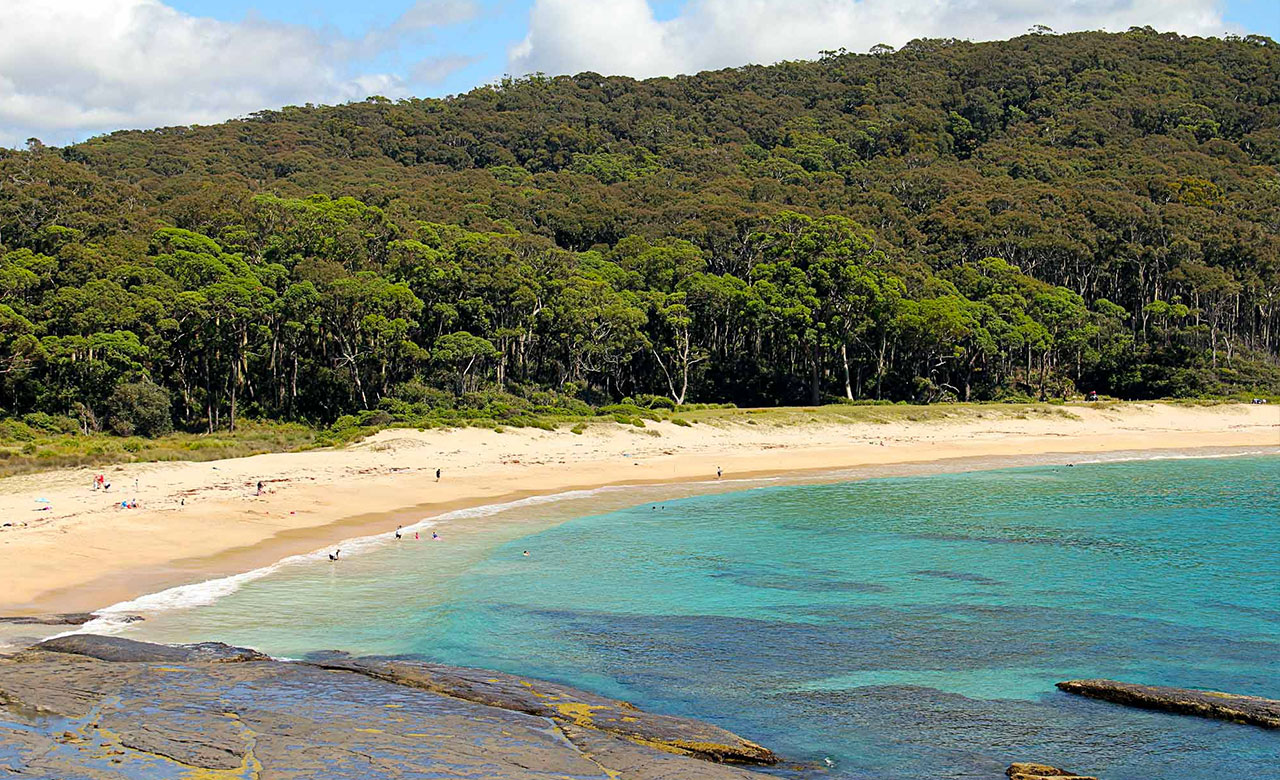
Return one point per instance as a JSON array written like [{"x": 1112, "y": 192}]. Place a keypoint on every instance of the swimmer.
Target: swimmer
[
  {"x": 525, "y": 553},
  {"x": 333, "y": 556},
  {"x": 435, "y": 537}
]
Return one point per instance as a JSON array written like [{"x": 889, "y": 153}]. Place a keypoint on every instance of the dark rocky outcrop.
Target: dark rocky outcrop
[
  {"x": 62, "y": 619},
  {"x": 1251, "y": 710},
  {"x": 115, "y": 648},
  {"x": 560, "y": 703},
  {"x": 105, "y": 707},
  {"x": 1029, "y": 771}
]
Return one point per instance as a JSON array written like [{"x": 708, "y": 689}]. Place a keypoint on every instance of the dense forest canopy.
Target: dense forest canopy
[{"x": 1039, "y": 216}]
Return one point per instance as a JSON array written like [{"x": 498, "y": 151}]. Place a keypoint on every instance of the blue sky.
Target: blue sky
[
  {"x": 498, "y": 26},
  {"x": 70, "y": 69},
  {"x": 502, "y": 24}
]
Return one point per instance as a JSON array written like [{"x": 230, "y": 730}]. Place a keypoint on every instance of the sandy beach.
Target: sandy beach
[{"x": 200, "y": 520}]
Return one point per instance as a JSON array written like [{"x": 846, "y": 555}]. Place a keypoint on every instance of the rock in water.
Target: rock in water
[
  {"x": 1025, "y": 771},
  {"x": 1251, "y": 710},
  {"x": 115, "y": 648},
  {"x": 63, "y": 619}
]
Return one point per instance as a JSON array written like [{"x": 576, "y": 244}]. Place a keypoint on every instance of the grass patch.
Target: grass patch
[
  {"x": 27, "y": 448},
  {"x": 74, "y": 450}
]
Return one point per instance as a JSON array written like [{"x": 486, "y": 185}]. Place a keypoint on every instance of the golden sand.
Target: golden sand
[{"x": 201, "y": 520}]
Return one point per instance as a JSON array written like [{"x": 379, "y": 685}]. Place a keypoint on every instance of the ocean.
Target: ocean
[{"x": 903, "y": 627}]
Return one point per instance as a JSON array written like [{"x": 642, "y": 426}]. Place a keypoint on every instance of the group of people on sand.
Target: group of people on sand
[{"x": 100, "y": 483}]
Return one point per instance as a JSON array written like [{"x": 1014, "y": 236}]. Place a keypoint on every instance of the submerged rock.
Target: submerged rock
[
  {"x": 73, "y": 709},
  {"x": 1251, "y": 710},
  {"x": 1028, "y": 771},
  {"x": 62, "y": 619}
]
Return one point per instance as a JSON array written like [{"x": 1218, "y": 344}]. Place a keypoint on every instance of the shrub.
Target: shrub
[
  {"x": 140, "y": 408},
  {"x": 653, "y": 402},
  {"x": 419, "y": 393},
  {"x": 15, "y": 430},
  {"x": 50, "y": 423},
  {"x": 628, "y": 410},
  {"x": 1013, "y": 397},
  {"x": 375, "y": 418}
]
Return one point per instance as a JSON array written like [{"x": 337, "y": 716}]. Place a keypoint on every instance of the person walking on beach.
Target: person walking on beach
[
  {"x": 719, "y": 472},
  {"x": 398, "y": 533},
  {"x": 259, "y": 487},
  {"x": 437, "y": 475}
]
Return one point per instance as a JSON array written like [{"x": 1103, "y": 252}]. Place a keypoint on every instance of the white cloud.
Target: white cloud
[
  {"x": 418, "y": 22},
  {"x": 436, "y": 13},
  {"x": 624, "y": 36},
  {"x": 434, "y": 70},
  {"x": 69, "y": 68}
]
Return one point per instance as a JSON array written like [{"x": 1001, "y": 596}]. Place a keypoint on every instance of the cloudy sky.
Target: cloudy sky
[{"x": 70, "y": 69}]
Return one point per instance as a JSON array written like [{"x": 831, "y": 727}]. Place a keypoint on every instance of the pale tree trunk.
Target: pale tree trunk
[{"x": 848, "y": 383}]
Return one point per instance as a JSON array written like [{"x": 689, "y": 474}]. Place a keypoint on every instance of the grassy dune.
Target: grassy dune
[{"x": 26, "y": 448}]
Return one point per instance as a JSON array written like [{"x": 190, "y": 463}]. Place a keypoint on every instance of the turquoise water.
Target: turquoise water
[{"x": 898, "y": 628}]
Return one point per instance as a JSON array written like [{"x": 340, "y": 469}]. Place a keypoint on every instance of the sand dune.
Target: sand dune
[{"x": 197, "y": 520}]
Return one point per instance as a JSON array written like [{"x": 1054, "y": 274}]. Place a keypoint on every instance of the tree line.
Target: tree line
[{"x": 952, "y": 221}]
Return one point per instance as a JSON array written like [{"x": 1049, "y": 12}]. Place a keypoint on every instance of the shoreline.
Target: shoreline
[{"x": 226, "y": 535}]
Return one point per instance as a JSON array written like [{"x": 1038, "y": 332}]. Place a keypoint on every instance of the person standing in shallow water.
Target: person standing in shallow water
[{"x": 398, "y": 532}]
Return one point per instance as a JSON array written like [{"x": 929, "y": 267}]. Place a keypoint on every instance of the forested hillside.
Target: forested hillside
[{"x": 1034, "y": 217}]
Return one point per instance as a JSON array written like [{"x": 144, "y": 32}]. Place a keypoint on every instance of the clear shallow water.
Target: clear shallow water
[{"x": 902, "y": 628}]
